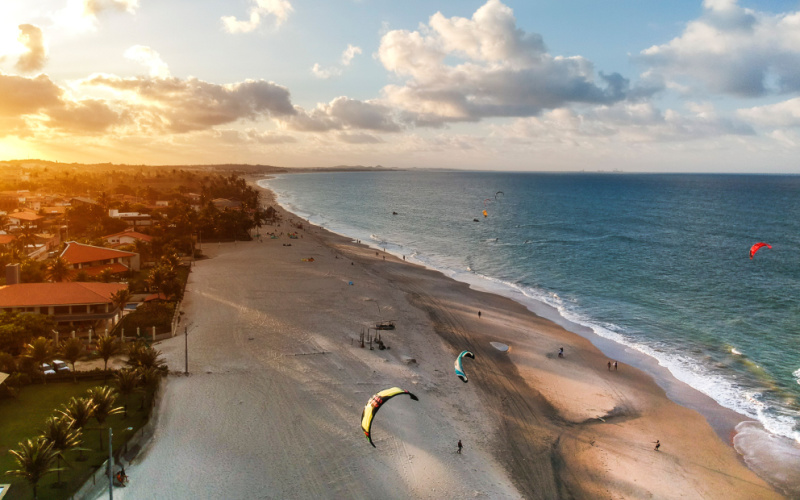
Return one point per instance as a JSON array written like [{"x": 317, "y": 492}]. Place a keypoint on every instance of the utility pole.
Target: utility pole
[
  {"x": 110, "y": 465},
  {"x": 186, "y": 348}
]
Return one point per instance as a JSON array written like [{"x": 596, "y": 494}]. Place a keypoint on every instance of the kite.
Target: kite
[
  {"x": 459, "y": 368},
  {"x": 499, "y": 192},
  {"x": 487, "y": 199},
  {"x": 755, "y": 248},
  {"x": 374, "y": 404},
  {"x": 485, "y": 213}
]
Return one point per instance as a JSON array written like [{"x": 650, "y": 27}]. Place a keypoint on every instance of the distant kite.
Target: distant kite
[
  {"x": 374, "y": 404},
  {"x": 499, "y": 192},
  {"x": 755, "y": 248},
  {"x": 459, "y": 369}
]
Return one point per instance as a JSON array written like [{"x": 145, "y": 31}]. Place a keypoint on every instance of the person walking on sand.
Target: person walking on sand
[
  {"x": 479, "y": 314},
  {"x": 658, "y": 445},
  {"x": 560, "y": 352},
  {"x": 609, "y": 366},
  {"x": 615, "y": 366},
  {"x": 459, "y": 446}
]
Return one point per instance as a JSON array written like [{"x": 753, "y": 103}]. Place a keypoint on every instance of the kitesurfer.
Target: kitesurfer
[{"x": 459, "y": 446}]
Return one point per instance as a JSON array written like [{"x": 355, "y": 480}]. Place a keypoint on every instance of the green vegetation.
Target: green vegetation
[{"x": 25, "y": 418}]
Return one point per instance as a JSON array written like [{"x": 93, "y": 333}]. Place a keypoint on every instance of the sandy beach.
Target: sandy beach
[{"x": 278, "y": 379}]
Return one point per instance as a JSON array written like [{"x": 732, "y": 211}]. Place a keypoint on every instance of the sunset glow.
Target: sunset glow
[{"x": 703, "y": 86}]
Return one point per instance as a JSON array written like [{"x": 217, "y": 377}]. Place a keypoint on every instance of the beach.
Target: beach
[{"x": 278, "y": 380}]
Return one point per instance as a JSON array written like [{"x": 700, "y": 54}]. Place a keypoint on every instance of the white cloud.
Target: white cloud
[
  {"x": 279, "y": 9},
  {"x": 349, "y": 53},
  {"x": 347, "y": 57},
  {"x": 734, "y": 50},
  {"x": 81, "y": 15},
  {"x": 462, "y": 69},
  {"x": 344, "y": 113},
  {"x": 780, "y": 115},
  {"x": 33, "y": 59},
  {"x": 150, "y": 59},
  {"x": 325, "y": 73}
]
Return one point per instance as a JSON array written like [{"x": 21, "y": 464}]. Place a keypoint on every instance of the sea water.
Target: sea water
[{"x": 657, "y": 263}]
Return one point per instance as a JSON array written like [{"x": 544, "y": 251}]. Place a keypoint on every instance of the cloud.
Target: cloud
[
  {"x": 358, "y": 138},
  {"x": 280, "y": 9},
  {"x": 347, "y": 57},
  {"x": 86, "y": 116},
  {"x": 22, "y": 96},
  {"x": 784, "y": 114},
  {"x": 93, "y": 7},
  {"x": 349, "y": 53},
  {"x": 733, "y": 50},
  {"x": 344, "y": 113},
  {"x": 178, "y": 106},
  {"x": 460, "y": 69},
  {"x": 626, "y": 123},
  {"x": 31, "y": 37},
  {"x": 150, "y": 59}
]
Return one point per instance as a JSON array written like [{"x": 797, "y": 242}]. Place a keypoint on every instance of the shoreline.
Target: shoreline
[
  {"x": 278, "y": 381},
  {"x": 724, "y": 421}
]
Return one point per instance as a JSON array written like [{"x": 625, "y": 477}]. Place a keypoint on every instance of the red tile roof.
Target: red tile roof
[
  {"x": 77, "y": 253},
  {"x": 116, "y": 268},
  {"x": 57, "y": 294},
  {"x": 133, "y": 234},
  {"x": 6, "y": 238}
]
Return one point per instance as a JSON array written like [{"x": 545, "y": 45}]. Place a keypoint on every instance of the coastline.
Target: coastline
[{"x": 277, "y": 383}]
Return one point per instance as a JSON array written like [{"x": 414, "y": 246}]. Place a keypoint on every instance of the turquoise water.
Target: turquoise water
[{"x": 659, "y": 263}]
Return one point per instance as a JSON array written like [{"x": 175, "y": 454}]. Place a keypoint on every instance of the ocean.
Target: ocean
[{"x": 657, "y": 263}]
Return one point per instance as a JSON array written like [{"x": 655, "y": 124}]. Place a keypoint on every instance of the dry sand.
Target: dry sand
[{"x": 272, "y": 405}]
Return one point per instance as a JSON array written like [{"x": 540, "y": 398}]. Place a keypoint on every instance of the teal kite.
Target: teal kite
[{"x": 459, "y": 368}]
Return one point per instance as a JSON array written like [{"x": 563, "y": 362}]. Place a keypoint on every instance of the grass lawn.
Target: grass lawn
[{"x": 23, "y": 418}]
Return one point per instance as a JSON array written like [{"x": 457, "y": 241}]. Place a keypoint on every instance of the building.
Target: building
[
  {"x": 128, "y": 237},
  {"x": 75, "y": 303},
  {"x": 94, "y": 260},
  {"x": 131, "y": 218}
]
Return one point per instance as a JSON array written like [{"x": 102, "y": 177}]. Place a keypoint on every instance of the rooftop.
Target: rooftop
[
  {"x": 78, "y": 253},
  {"x": 58, "y": 294}
]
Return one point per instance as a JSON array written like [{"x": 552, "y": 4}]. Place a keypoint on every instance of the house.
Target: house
[
  {"x": 131, "y": 218},
  {"x": 94, "y": 260},
  {"x": 128, "y": 237},
  {"x": 24, "y": 219},
  {"x": 6, "y": 239},
  {"x": 74, "y": 303}
]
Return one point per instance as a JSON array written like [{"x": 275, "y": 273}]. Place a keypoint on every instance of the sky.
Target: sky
[{"x": 530, "y": 85}]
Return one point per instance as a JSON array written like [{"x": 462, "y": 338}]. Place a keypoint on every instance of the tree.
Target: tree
[
  {"x": 58, "y": 270},
  {"x": 105, "y": 275},
  {"x": 103, "y": 399},
  {"x": 149, "y": 379},
  {"x": 79, "y": 411},
  {"x": 141, "y": 355},
  {"x": 127, "y": 382},
  {"x": 107, "y": 346},
  {"x": 34, "y": 460},
  {"x": 72, "y": 350},
  {"x": 120, "y": 298},
  {"x": 59, "y": 431},
  {"x": 158, "y": 275},
  {"x": 40, "y": 351}
]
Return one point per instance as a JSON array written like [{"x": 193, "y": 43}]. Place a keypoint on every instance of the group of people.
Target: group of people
[{"x": 609, "y": 366}]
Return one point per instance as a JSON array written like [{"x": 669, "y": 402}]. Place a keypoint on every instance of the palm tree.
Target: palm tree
[
  {"x": 127, "y": 381},
  {"x": 35, "y": 460},
  {"x": 40, "y": 350},
  {"x": 156, "y": 278},
  {"x": 120, "y": 298},
  {"x": 72, "y": 350},
  {"x": 141, "y": 355},
  {"x": 107, "y": 346},
  {"x": 79, "y": 411},
  {"x": 59, "y": 269},
  {"x": 105, "y": 275},
  {"x": 104, "y": 399},
  {"x": 59, "y": 431},
  {"x": 149, "y": 378}
]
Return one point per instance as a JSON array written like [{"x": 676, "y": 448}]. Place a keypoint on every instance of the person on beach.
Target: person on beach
[
  {"x": 479, "y": 314},
  {"x": 459, "y": 446},
  {"x": 560, "y": 352},
  {"x": 615, "y": 366},
  {"x": 658, "y": 445},
  {"x": 122, "y": 478},
  {"x": 609, "y": 366}
]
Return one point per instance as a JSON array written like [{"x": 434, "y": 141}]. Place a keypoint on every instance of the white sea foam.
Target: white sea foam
[{"x": 770, "y": 456}]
